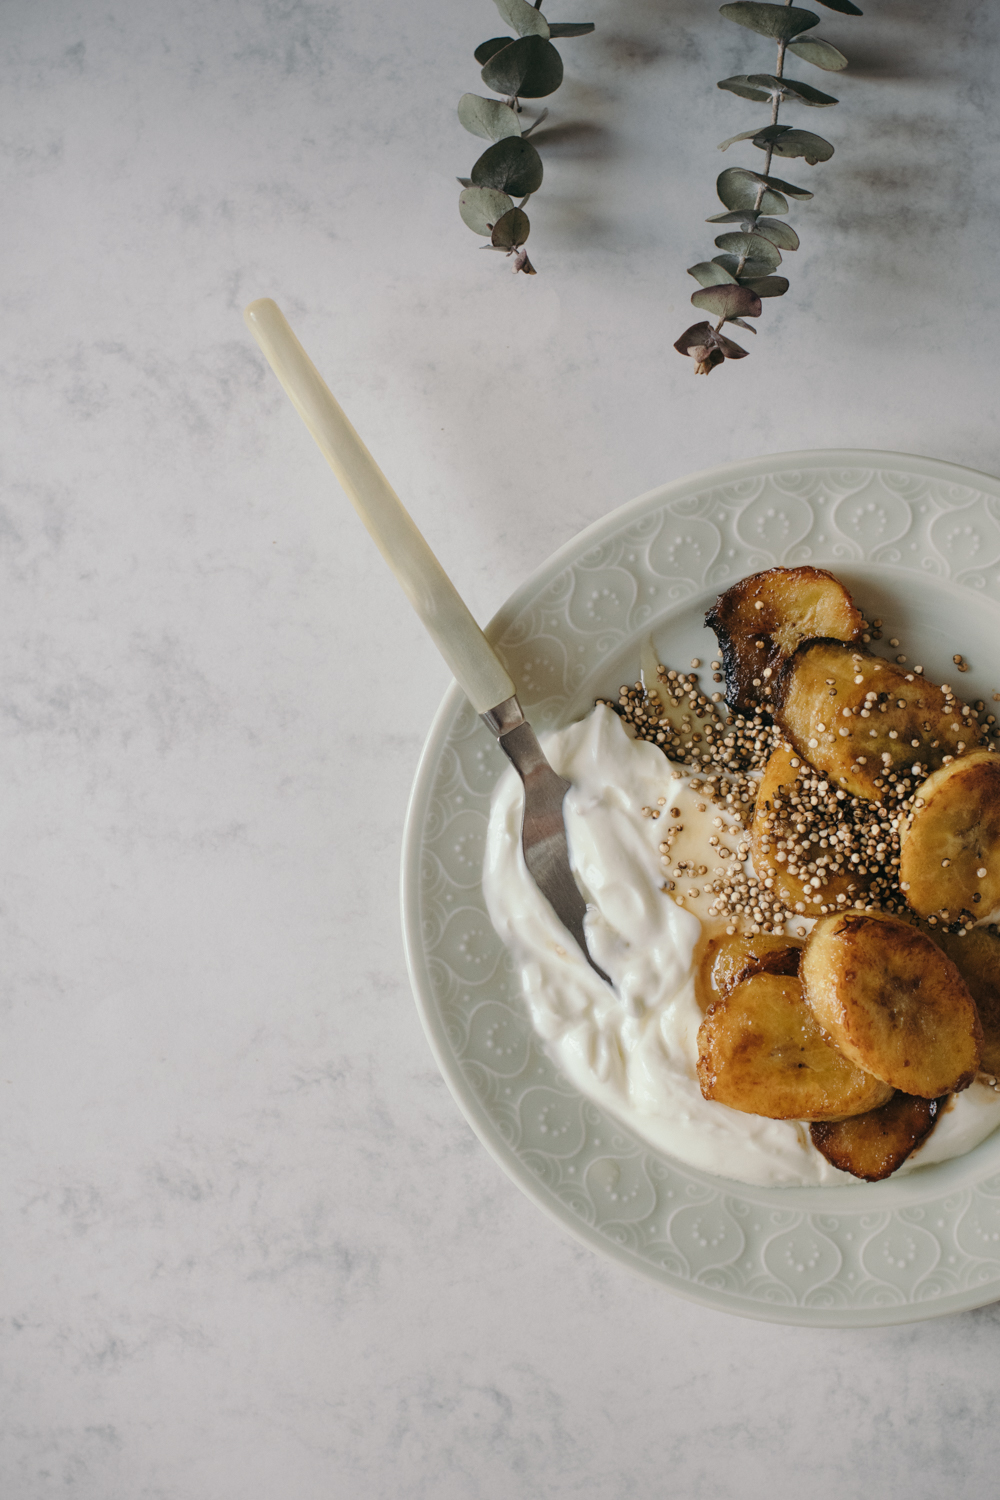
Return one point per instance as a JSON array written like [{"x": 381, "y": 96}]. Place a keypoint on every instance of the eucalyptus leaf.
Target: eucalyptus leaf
[
  {"x": 845, "y": 7},
  {"x": 488, "y": 117},
  {"x": 738, "y": 188},
  {"x": 748, "y": 270},
  {"x": 698, "y": 336},
  {"x": 766, "y": 286},
  {"x": 511, "y": 230},
  {"x": 775, "y": 184},
  {"x": 542, "y": 116},
  {"x": 481, "y": 207},
  {"x": 570, "y": 28},
  {"x": 465, "y": 181},
  {"x": 753, "y": 246},
  {"x": 740, "y": 323},
  {"x": 707, "y": 273},
  {"x": 750, "y": 135},
  {"x": 529, "y": 68},
  {"x": 489, "y": 49},
  {"x": 525, "y": 19},
  {"x": 702, "y": 343},
  {"x": 797, "y": 143},
  {"x": 781, "y": 22},
  {"x": 790, "y": 88},
  {"x": 744, "y": 216},
  {"x": 512, "y": 165},
  {"x": 782, "y": 235},
  {"x": 821, "y": 53},
  {"x": 788, "y": 189},
  {"x": 727, "y": 301},
  {"x": 738, "y": 85}
]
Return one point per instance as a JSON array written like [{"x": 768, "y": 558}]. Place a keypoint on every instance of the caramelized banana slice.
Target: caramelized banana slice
[
  {"x": 761, "y": 1051},
  {"x": 950, "y": 849},
  {"x": 873, "y": 1145},
  {"x": 893, "y": 1002},
  {"x": 856, "y": 717},
  {"x": 976, "y": 956},
  {"x": 815, "y": 877},
  {"x": 729, "y": 960},
  {"x": 761, "y": 620}
]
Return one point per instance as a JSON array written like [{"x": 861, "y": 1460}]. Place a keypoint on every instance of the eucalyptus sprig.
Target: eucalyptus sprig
[
  {"x": 525, "y": 67},
  {"x": 733, "y": 283}
]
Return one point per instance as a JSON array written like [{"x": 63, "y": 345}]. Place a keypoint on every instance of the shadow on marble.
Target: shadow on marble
[
  {"x": 631, "y": 50},
  {"x": 575, "y": 140}
]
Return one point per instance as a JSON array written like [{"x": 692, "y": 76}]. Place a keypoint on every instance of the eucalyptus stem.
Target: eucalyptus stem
[
  {"x": 525, "y": 67},
  {"x": 775, "y": 106},
  {"x": 733, "y": 284}
]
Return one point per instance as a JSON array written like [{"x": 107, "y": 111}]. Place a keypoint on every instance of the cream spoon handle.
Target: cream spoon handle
[{"x": 474, "y": 663}]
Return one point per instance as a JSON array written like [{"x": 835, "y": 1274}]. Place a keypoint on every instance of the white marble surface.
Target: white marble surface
[{"x": 250, "y": 1247}]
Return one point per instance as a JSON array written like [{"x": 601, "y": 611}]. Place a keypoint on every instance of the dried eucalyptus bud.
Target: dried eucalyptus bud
[{"x": 707, "y": 347}]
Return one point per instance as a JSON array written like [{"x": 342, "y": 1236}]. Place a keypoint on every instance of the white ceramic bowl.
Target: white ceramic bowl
[{"x": 918, "y": 543}]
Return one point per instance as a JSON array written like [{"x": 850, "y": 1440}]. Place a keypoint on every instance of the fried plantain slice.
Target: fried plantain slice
[
  {"x": 761, "y": 620},
  {"x": 976, "y": 956},
  {"x": 949, "y": 857},
  {"x": 730, "y": 959},
  {"x": 804, "y": 876},
  {"x": 893, "y": 1002},
  {"x": 761, "y": 1051},
  {"x": 874, "y": 1145},
  {"x": 857, "y": 717}
]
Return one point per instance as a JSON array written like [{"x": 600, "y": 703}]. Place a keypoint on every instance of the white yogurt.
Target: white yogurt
[{"x": 633, "y": 1049}]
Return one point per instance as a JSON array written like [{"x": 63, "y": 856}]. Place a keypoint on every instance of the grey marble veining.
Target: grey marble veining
[{"x": 250, "y": 1247}]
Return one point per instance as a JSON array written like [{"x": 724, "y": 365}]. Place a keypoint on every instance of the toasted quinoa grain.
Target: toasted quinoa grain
[{"x": 817, "y": 830}]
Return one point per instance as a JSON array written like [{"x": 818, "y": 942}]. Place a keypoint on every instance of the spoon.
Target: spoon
[{"x": 475, "y": 665}]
